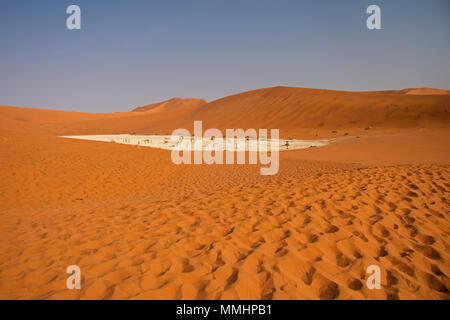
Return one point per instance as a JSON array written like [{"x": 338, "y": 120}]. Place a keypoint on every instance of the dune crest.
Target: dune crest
[
  {"x": 171, "y": 104},
  {"x": 425, "y": 91}
]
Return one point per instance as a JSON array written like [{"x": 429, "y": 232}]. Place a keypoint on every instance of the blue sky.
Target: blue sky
[{"x": 135, "y": 52}]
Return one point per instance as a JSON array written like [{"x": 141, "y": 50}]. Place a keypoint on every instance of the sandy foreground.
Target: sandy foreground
[{"x": 141, "y": 227}]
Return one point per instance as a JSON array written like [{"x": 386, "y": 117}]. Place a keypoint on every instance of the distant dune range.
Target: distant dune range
[
  {"x": 141, "y": 227},
  {"x": 292, "y": 110}
]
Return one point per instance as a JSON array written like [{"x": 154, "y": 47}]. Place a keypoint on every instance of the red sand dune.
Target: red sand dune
[
  {"x": 295, "y": 111},
  {"x": 141, "y": 227},
  {"x": 172, "y": 104},
  {"x": 52, "y": 122},
  {"x": 424, "y": 91}
]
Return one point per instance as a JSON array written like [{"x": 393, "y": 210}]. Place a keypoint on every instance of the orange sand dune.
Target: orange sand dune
[
  {"x": 296, "y": 112},
  {"x": 174, "y": 103},
  {"x": 424, "y": 91},
  {"x": 406, "y": 147},
  {"x": 293, "y": 110},
  {"x": 140, "y": 227},
  {"x": 52, "y": 122}
]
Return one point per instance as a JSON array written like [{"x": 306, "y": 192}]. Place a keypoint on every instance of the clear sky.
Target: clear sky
[{"x": 135, "y": 52}]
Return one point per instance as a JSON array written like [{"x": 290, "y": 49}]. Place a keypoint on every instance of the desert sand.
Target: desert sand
[{"x": 141, "y": 227}]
